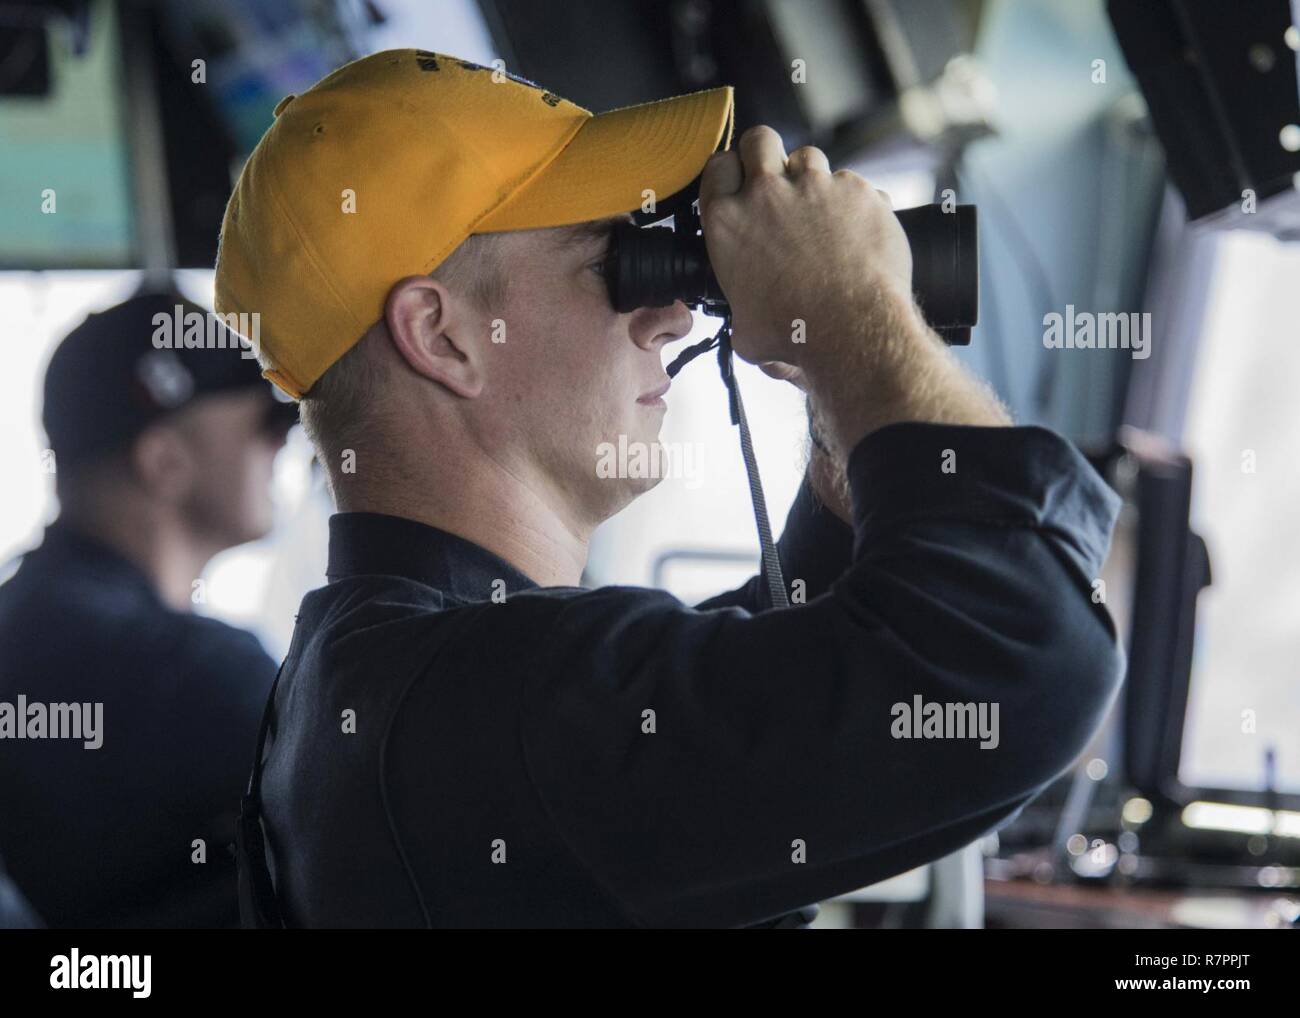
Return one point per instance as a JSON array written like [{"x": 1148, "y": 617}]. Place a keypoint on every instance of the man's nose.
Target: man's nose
[{"x": 654, "y": 328}]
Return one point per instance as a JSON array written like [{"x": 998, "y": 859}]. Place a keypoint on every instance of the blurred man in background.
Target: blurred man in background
[{"x": 127, "y": 722}]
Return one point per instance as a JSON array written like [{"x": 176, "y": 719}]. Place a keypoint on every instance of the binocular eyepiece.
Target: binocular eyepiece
[{"x": 653, "y": 266}]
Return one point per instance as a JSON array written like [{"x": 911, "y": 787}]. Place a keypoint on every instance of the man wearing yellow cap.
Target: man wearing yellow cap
[{"x": 463, "y": 736}]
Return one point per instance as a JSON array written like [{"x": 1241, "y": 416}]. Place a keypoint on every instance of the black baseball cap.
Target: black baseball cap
[{"x": 132, "y": 364}]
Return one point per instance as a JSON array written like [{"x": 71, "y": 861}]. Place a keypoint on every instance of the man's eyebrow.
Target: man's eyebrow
[{"x": 597, "y": 229}]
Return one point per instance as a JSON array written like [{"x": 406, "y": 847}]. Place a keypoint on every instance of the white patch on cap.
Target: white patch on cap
[{"x": 168, "y": 381}]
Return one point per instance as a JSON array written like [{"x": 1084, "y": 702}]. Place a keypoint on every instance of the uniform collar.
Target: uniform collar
[{"x": 369, "y": 544}]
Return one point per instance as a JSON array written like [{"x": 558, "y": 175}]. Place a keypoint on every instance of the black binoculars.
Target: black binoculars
[{"x": 653, "y": 266}]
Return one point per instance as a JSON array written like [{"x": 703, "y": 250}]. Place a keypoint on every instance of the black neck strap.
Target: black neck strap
[{"x": 777, "y": 596}]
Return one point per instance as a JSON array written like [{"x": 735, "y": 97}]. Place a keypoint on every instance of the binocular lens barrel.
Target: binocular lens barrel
[
  {"x": 654, "y": 266},
  {"x": 945, "y": 264}
]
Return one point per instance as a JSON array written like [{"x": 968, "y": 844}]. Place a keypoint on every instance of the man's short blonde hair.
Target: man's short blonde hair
[{"x": 340, "y": 408}]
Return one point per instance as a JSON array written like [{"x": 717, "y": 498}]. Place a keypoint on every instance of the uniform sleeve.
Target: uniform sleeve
[{"x": 717, "y": 768}]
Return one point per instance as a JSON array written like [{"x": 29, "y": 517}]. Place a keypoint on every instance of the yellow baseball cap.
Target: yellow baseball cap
[{"x": 385, "y": 166}]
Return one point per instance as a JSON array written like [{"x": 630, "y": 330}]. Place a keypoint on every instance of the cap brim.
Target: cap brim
[{"x": 616, "y": 157}]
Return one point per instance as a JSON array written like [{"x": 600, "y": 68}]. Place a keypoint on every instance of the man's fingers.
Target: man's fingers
[
  {"x": 759, "y": 152},
  {"x": 762, "y": 152},
  {"x": 860, "y": 181},
  {"x": 722, "y": 176},
  {"x": 806, "y": 159}
]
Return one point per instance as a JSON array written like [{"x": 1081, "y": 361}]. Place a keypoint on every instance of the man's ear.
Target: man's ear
[{"x": 432, "y": 331}]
